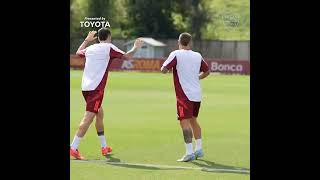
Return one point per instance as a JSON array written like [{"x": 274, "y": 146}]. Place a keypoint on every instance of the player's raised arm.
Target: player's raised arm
[
  {"x": 137, "y": 44},
  {"x": 204, "y": 69},
  {"x": 90, "y": 37}
]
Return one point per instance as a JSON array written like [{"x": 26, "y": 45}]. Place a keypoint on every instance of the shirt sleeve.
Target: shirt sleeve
[
  {"x": 204, "y": 66},
  {"x": 115, "y": 52},
  {"x": 170, "y": 62},
  {"x": 82, "y": 53}
]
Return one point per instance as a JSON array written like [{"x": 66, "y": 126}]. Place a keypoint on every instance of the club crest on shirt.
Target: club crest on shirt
[{"x": 95, "y": 22}]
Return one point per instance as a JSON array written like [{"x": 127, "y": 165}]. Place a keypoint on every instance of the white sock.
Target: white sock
[
  {"x": 189, "y": 148},
  {"x": 198, "y": 144},
  {"x": 75, "y": 142},
  {"x": 102, "y": 141}
]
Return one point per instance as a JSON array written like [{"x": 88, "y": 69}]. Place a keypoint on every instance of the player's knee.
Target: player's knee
[
  {"x": 193, "y": 119},
  {"x": 87, "y": 120},
  {"x": 99, "y": 119},
  {"x": 185, "y": 123},
  {"x": 83, "y": 125},
  {"x": 89, "y": 116},
  {"x": 99, "y": 116}
]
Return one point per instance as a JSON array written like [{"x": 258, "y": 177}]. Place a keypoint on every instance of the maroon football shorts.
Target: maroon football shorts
[
  {"x": 93, "y": 100},
  {"x": 187, "y": 109}
]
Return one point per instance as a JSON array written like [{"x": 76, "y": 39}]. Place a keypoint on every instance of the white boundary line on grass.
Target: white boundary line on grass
[{"x": 165, "y": 166}]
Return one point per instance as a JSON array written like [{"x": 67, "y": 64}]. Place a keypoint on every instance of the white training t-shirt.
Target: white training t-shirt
[
  {"x": 98, "y": 58},
  {"x": 186, "y": 65}
]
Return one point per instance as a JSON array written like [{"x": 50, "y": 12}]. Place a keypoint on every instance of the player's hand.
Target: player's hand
[
  {"x": 90, "y": 36},
  {"x": 138, "y": 43}
]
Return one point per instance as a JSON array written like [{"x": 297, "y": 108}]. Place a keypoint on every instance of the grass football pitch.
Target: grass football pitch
[{"x": 141, "y": 127}]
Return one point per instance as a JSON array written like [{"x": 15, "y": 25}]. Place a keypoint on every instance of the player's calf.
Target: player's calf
[
  {"x": 83, "y": 127},
  {"x": 85, "y": 123},
  {"x": 105, "y": 149},
  {"x": 187, "y": 135},
  {"x": 195, "y": 128},
  {"x": 99, "y": 121},
  {"x": 197, "y": 135}
]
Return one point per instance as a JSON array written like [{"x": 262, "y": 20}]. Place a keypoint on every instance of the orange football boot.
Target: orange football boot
[
  {"x": 106, "y": 150},
  {"x": 76, "y": 154}
]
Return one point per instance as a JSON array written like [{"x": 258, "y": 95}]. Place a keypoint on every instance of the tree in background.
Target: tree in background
[
  {"x": 205, "y": 19},
  {"x": 192, "y": 16},
  {"x": 77, "y": 9},
  {"x": 101, "y": 8},
  {"x": 150, "y": 18}
]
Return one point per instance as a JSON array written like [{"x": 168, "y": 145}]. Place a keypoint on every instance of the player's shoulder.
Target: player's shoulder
[
  {"x": 111, "y": 45},
  {"x": 196, "y": 53},
  {"x": 184, "y": 52},
  {"x": 95, "y": 46},
  {"x": 107, "y": 46},
  {"x": 174, "y": 52},
  {"x": 188, "y": 53},
  {"x": 114, "y": 47},
  {"x": 90, "y": 46}
]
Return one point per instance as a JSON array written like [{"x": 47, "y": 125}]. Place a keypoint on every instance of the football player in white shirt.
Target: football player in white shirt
[
  {"x": 98, "y": 59},
  {"x": 188, "y": 68}
]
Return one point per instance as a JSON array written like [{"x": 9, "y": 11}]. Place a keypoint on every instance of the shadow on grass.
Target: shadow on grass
[
  {"x": 111, "y": 160},
  {"x": 209, "y": 166},
  {"x": 144, "y": 167},
  {"x": 203, "y": 165}
]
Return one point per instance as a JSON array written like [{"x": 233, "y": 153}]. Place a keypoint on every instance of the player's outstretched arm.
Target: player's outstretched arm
[
  {"x": 90, "y": 37},
  {"x": 137, "y": 44},
  {"x": 203, "y": 75},
  {"x": 164, "y": 69},
  {"x": 169, "y": 63}
]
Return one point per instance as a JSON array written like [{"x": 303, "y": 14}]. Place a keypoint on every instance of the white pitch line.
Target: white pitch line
[{"x": 165, "y": 166}]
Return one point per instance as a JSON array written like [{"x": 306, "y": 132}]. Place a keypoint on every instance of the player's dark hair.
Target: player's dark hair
[
  {"x": 103, "y": 34},
  {"x": 185, "y": 38}
]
